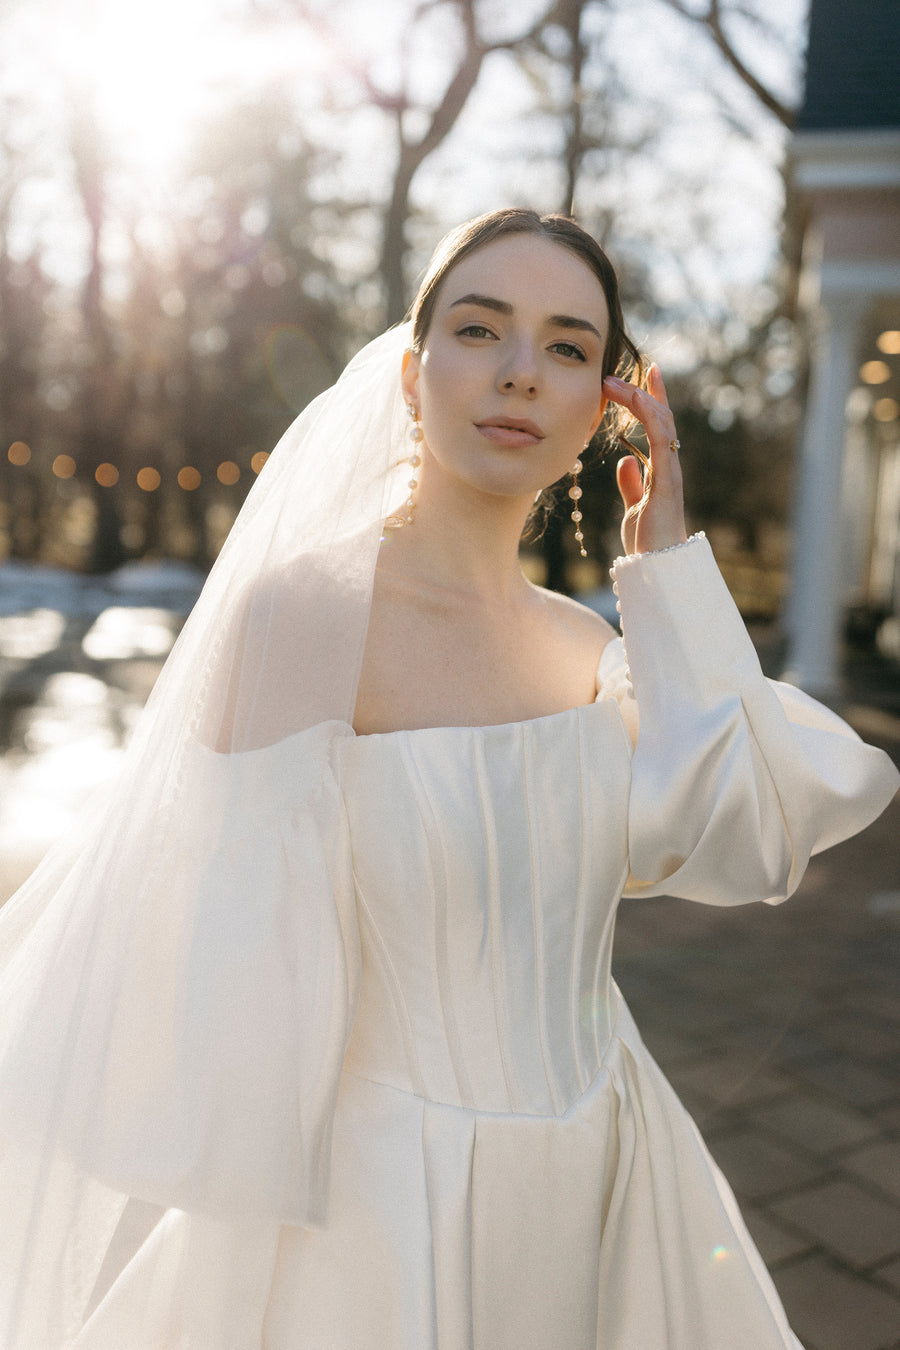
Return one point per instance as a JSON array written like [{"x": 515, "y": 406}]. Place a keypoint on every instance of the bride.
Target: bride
[{"x": 310, "y": 1041}]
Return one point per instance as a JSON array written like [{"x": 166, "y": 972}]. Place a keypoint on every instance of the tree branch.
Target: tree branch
[{"x": 711, "y": 20}]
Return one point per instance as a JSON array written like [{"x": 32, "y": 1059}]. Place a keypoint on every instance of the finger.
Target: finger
[
  {"x": 656, "y": 386},
  {"x": 653, "y": 413},
  {"x": 629, "y": 480}
]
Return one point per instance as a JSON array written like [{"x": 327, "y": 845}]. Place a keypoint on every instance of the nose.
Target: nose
[{"x": 518, "y": 371}]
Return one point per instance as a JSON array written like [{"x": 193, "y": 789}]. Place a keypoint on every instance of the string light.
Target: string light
[
  {"x": 64, "y": 466},
  {"x": 874, "y": 372},
  {"x": 107, "y": 475},
  {"x": 148, "y": 480},
  {"x": 889, "y": 342},
  {"x": 189, "y": 478},
  {"x": 228, "y": 472}
]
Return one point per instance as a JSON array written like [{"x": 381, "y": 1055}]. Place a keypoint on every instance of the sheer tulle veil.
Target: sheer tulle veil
[{"x": 178, "y": 980}]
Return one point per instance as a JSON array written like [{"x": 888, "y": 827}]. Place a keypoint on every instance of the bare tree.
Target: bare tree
[
  {"x": 711, "y": 17},
  {"x": 404, "y": 109},
  {"x": 103, "y": 397}
]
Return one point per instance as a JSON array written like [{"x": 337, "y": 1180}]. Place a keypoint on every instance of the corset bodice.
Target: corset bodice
[{"x": 488, "y": 862}]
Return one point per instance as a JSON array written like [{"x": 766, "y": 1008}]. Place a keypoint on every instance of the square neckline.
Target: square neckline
[{"x": 600, "y": 678}]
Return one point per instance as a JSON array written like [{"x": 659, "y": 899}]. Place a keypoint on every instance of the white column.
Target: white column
[
  {"x": 859, "y": 488},
  {"x": 817, "y": 593}
]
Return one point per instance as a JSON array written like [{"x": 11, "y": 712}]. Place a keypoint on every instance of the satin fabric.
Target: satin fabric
[{"x": 508, "y": 1167}]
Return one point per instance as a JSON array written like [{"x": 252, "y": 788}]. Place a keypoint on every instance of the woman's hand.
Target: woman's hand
[{"x": 654, "y": 503}]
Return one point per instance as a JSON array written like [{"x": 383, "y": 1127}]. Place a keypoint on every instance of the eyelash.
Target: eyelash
[
  {"x": 573, "y": 350},
  {"x": 476, "y": 330},
  {"x": 480, "y": 330}
]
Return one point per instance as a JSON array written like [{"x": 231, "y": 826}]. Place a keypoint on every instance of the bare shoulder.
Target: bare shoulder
[{"x": 573, "y": 622}]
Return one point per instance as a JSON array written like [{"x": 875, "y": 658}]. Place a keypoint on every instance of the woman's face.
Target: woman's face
[{"x": 509, "y": 384}]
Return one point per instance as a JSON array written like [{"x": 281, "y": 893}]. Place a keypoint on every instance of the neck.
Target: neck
[{"x": 461, "y": 539}]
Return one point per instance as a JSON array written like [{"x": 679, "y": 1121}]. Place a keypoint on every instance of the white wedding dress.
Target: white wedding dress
[{"x": 509, "y": 1168}]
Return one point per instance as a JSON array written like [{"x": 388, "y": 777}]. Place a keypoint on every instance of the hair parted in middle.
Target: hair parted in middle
[{"x": 620, "y": 357}]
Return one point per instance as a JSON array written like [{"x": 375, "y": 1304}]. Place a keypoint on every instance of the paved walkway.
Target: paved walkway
[{"x": 780, "y": 1028}]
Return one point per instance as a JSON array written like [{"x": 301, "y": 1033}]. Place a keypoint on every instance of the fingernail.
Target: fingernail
[{"x": 614, "y": 379}]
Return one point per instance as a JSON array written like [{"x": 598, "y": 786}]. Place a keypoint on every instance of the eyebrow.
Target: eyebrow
[{"x": 504, "y": 307}]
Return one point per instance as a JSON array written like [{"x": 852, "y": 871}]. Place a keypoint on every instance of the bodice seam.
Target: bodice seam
[
  {"x": 613, "y": 1039},
  {"x": 536, "y": 872},
  {"x": 394, "y": 985},
  {"x": 494, "y": 923}
]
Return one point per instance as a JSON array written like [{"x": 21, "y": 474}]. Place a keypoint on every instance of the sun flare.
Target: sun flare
[{"x": 150, "y": 73}]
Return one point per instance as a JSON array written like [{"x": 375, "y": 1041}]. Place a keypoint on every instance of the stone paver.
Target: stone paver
[
  {"x": 879, "y": 1164},
  {"x": 776, "y": 1243},
  {"x": 860, "y": 1227},
  {"x": 818, "y": 1126},
  {"x": 889, "y": 1274},
  {"x": 758, "y": 1165},
  {"x": 830, "y": 1310}
]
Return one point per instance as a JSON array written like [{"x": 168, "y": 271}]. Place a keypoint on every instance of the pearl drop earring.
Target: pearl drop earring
[
  {"x": 575, "y": 494},
  {"x": 416, "y": 435}
]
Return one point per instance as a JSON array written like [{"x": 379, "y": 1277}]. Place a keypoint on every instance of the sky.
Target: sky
[{"x": 700, "y": 195}]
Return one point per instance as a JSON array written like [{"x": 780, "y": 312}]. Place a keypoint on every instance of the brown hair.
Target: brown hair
[{"x": 620, "y": 357}]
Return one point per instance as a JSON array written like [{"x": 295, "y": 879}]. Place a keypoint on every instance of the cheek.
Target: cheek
[
  {"x": 442, "y": 390},
  {"x": 583, "y": 408}
]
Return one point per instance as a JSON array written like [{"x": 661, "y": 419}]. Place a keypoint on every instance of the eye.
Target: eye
[
  {"x": 474, "y": 330},
  {"x": 569, "y": 349}
]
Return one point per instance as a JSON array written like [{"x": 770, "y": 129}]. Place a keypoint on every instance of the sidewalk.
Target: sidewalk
[{"x": 780, "y": 1029}]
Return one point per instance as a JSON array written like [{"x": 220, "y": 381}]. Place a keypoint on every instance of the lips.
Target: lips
[{"x": 513, "y": 432}]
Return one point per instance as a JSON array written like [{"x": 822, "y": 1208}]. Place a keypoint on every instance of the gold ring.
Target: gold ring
[{"x": 674, "y": 445}]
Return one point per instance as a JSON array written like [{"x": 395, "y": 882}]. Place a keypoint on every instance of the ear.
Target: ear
[
  {"x": 598, "y": 417},
  {"x": 409, "y": 377}
]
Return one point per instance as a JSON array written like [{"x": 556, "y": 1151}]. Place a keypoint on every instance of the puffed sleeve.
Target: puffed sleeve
[
  {"x": 736, "y": 779},
  {"x": 178, "y": 1033}
]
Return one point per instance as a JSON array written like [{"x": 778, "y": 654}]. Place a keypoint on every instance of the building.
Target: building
[{"x": 846, "y": 170}]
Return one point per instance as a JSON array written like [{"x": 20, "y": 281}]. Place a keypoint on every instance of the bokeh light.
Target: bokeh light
[
  {"x": 259, "y": 460},
  {"x": 889, "y": 342},
  {"x": 64, "y": 466},
  {"x": 874, "y": 372},
  {"x": 148, "y": 480},
  {"x": 886, "y": 410},
  {"x": 107, "y": 475},
  {"x": 19, "y": 453},
  {"x": 228, "y": 472},
  {"x": 189, "y": 478},
  {"x": 120, "y": 633}
]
